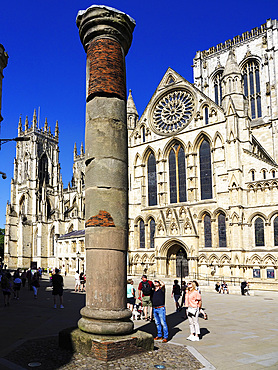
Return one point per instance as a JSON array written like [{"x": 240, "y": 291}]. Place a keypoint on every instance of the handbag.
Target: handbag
[{"x": 192, "y": 311}]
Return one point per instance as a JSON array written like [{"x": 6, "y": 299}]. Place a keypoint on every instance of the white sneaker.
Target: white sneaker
[
  {"x": 196, "y": 339},
  {"x": 191, "y": 337}
]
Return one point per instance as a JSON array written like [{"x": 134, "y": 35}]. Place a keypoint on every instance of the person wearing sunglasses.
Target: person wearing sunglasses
[{"x": 193, "y": 301}]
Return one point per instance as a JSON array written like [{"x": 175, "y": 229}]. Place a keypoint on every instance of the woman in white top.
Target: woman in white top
[{"x": 130, "y": 294}]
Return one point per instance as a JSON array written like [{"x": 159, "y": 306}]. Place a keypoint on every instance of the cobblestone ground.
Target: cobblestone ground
[{"x": 47, "y": 352}]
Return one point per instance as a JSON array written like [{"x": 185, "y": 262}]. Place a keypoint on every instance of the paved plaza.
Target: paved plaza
[{"x": 241, "y": 332}]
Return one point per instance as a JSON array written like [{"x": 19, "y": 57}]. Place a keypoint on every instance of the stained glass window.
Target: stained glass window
[
  {"x": 252, "y": 89},
  {"x": 152, "y": 232},
  {"x": 205, "y": 170},
  {"x": 173, "y": 177},
  {"x": 275, "y": 224},
  {"x": 207, "y": 231},
  {"x": 142, "y": 233},
  {"x": 177, "y": 174},
  {"x": 222, "y": 231},
  {"x": 152, "y": 182},
  {"x": 259, "y": 232}
]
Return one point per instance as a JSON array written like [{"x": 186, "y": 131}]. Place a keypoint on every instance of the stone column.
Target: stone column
[{"x": 106, "y": 35}]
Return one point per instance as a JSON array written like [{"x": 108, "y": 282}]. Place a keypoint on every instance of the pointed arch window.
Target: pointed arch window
[
  {"x": 275, "y": 226},
  {"x": 252, "y": 89},
  {"x": 142, "y": 234},
  {"x": 143, "y": 134},
  {"x": 52, "y": 242},
  {"x": 152, "y": 232},
  {"x": 222, "y": 230},
  {"x": 152, "y": 181},
  {"x": 43, "y": 170},
  {"x": 206, "y": 115},
  {"x": 205, "y": 170},
  {"x": 218, "y": 88},
  {"x": 177, "y": 174},
  {"x": 259, "y": 232},
  {"x": 207, "y": 231}
]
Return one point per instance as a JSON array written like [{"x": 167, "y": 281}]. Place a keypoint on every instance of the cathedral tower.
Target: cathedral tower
[{"x": 36, "y": 201}]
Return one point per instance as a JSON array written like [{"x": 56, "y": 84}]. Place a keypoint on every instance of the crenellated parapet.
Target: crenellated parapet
[{"x": 228, "y": 44}]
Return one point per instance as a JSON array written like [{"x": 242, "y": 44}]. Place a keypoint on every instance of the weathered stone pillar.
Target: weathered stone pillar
[{"x": 106, "y": 35}]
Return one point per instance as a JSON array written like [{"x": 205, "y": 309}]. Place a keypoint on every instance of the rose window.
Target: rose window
[{"x": 173, "y": 112}]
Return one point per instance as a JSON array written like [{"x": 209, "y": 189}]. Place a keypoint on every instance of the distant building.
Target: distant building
[
  {"x": 203, "y": 172},
  {"x": 40, "y": 209}
]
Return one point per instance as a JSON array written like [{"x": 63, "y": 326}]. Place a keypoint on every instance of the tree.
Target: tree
[{"x": 2, "y": 234}]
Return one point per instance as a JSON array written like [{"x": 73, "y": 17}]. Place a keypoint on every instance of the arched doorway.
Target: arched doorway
[{"x": 177, "y": 262}]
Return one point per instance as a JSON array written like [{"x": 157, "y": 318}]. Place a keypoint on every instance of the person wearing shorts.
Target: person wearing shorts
[
  {"x": 57, "y": 286},
  {"x": 145, "y": 290}
]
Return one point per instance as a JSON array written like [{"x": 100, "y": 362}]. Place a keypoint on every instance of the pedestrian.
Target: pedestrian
[
  {"x": 57, "y": 287},
  {"x": 201, "y": 311},
  {"x": 193, "y": 301},
  {"x": 17, "y": 286},
  {"x": 29, "y": 278},
  {"x": 183, "y": 291},
  {"x": 82, "y": 282},
  {"x": 130, "y": 294},
  {"x": 176, "y": 293},
  {"x": 6, "y": 286},
  {"x": 77, "y": 282},
  {"x": 23, "y": 278},
  {"x": 218, "y": 287},
  {"x": 35, "y": 284},
  {"x": 159, "y": 311},
  {"x": 145, "y": 291},
  {"x": 224, "y": 287}
]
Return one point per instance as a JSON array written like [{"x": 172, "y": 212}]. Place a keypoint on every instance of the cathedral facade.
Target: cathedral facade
[{"x": 203, "y": 173}]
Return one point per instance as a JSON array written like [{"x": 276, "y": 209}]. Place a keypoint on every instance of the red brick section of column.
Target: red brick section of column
[{"x": 106, "y": 35}]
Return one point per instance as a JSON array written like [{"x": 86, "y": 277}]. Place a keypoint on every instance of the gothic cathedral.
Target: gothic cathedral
[{"x": 203, "y": 172}]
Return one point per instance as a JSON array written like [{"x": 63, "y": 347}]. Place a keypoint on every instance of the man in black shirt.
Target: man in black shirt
[
  {"x": 57, "y": 285},
  {"x": 159, "y": 311}
]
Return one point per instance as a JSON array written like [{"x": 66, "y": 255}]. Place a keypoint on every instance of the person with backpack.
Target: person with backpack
[{"x": 145, "y": 292}]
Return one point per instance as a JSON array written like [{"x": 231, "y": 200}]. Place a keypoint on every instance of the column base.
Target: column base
[
  {"x": 105, "y": 322},
  {"x": 105, "y": 348}
]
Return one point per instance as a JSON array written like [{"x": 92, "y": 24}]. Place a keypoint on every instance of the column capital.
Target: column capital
[{"x": 103, "y": 21}]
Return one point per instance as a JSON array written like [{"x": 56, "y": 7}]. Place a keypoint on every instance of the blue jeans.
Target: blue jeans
[{"x": 160, "y": 321}]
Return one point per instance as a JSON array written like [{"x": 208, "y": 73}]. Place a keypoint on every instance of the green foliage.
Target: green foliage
[{"x": 2, "y": 234}]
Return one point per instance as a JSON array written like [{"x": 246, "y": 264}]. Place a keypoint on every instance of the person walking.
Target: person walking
[
  {"x": 17, "y": 286},
  {"x": 35, "y": 284},
  {"x": 6, "y": 286},
  {"x": 176, "y": 293},
  {"x": 159, "y": 311},
  {"x": 193, "y": 301},
  {"x": 145, "y": 291},
  {"x": 82, "y": 282},
  {"x": 130, "y": 294},
  {"x": 57, "y": 287},
  {"x": 23, "y": 278},
  {"x": 77, "y": 282}
]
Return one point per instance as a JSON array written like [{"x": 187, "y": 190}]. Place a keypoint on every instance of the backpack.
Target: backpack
[{"x": 146, "y": 288}]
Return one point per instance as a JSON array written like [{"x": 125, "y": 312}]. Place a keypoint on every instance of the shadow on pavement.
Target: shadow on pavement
[{"x": 173, "y": 320}]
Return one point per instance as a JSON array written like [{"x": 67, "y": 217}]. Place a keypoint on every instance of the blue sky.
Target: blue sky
[{"x": 46, "y": 67}]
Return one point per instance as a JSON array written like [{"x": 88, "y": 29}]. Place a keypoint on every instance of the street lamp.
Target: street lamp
[
  {"x": 78, "y": 256},
  {"x": 4, "y": 141}
]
